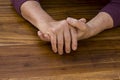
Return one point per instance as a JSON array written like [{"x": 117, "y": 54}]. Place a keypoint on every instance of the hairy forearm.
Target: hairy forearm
[
  {"x": 32, "y": 11},
  {"x": 100, "y": 22}
]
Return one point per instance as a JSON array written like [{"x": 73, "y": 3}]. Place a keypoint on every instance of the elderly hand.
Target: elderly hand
[
  {"x": 83, "y": 29},
  {"x": 60, "y": 34}
]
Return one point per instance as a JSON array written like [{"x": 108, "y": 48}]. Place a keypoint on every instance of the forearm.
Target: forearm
[
  {"x": 100, "y": 22},
  {"x": 32, "y": 11},
  {"x": 108, "y": 17}
]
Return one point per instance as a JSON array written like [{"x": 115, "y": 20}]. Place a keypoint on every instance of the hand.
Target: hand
[
  {"x": 60, "y": 34},
  {"x": 99, "y": 23},
  {"x": 83, "y": 29}
]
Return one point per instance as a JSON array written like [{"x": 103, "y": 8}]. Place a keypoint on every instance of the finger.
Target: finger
[
  {"x": 67, "y": 38},
  {"x": 83, "y": 20},
  {"x": 53, "y": 42},
  {"x": 76, "y": 23},
  {"x": 60, "y": 42},
  {"x": 74, "y": 38},
  {"x": 47, "y": 37},
  {"x": 42, "y": 36}
]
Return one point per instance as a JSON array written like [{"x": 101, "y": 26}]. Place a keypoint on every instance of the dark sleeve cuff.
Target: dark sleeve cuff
[
  {"x": 113, "y": 9},
  {"x": 17, "y": 4}
]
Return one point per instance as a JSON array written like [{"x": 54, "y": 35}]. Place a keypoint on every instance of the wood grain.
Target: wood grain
[{"x": 24, "y": 57}]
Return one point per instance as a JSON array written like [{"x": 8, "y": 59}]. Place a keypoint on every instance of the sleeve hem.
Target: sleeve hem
[{"x": 18, "y": 3}]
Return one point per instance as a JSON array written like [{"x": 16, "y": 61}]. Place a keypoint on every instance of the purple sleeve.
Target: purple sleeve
[
  {"x": 113, "y": 8},
  {"x": 17, "y": 4}
]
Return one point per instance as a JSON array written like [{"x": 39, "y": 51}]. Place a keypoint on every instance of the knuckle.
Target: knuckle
[
  {"x": 67, "y": 40},
  {"x": 60, "y": 43},
  {"x": 64, "y": 23},
  {"x": 74, "y": 39},
  {"x": 53, "y": 30},
  {"x": 74, "y": 42}
]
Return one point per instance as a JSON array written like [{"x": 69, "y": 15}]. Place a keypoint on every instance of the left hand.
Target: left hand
[{"x": 83, "y": 29}]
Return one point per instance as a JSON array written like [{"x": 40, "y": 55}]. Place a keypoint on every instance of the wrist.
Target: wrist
[
  {"x": 33, "y": 12},
  {"x": 91, "y": 31},
  {"x": 41, "y": 24},
  {"x": 95, "y": 29},
  {"x": 99, "y": 23}
]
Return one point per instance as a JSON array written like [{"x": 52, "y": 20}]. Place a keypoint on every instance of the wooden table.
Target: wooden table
[{"x": 23, "y": 56}]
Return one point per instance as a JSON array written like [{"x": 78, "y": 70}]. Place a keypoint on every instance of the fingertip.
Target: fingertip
[
  {"x": 69, "y": 19},
  {"x": 83, "y": 20},
  {"x": 55, "y": 51},
  {"x": 68, "y": 51},
  {"x": 74, "y": 48},
  {"x": 74, "y": 45},
  {"x": 60, "y": 53},
  {"x": 73, "y": 22},
  {"x": 39, "y": 33},
  {"x": 53, "y": 44}
]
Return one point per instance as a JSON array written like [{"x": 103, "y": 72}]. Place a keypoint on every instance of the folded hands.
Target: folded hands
[{"x": 64, "y": 34}]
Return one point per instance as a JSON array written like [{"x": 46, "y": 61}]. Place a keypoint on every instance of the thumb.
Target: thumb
[
  {"x": 83, "y": 20},
  {"x": 43, "y": 37},
  {"x": 77, "y": 23}
]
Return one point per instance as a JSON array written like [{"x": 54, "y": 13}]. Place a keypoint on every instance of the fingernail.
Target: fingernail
[
  {"x": 68, "y": 51},
  {"x": 74, "y": 48},
  {"x": 61, "y": 53}
]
